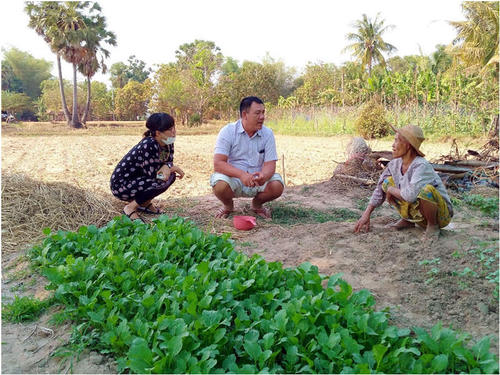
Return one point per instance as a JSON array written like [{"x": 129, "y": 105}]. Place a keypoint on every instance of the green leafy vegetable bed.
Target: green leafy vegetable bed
[{"x": 169, "y": 298}]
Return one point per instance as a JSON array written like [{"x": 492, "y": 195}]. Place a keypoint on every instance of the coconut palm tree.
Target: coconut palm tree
[
  {"x": 476, "y": 43},
  {"x": 368, "y": 44}
]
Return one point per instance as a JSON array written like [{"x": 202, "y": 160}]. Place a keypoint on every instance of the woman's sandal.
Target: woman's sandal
[
  {"x": 134, "y": 212},
  {"x": 148, "y": 210}
]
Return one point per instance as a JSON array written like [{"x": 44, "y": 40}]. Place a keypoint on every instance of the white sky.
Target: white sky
[{"x": 295, "y": 32}]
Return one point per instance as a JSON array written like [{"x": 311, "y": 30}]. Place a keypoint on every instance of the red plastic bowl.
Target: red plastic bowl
[{"x": 244, "y": 222}]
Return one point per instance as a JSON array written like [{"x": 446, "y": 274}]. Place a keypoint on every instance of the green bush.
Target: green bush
[
  {"x": 194, "y": 120},
  {"x": 372, "y": 122}
]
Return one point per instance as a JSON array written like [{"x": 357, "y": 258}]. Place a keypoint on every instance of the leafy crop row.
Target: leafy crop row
[
  {"x": 169, "y": 298},
  {"x": 487, "y": 205}
]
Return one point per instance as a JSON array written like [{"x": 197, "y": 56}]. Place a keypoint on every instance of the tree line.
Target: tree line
[{"x": 204, "y": 84}]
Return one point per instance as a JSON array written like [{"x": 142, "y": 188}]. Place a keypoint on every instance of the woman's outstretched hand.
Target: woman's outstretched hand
[{"x": 176, "y": 169}]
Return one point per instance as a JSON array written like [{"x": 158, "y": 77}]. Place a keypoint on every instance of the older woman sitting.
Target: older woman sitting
[{"x": 410, "y": 184}]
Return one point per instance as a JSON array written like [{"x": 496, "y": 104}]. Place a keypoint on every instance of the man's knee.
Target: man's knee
[
  {"x": 222, "y": 188},
  {"x": 275, "y": 188}
]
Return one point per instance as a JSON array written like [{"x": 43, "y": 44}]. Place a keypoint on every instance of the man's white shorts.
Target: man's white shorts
[{"x": 237, "y": 186}]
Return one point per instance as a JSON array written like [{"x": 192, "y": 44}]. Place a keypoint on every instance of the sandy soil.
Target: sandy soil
[{"x": 393, "y": 265}]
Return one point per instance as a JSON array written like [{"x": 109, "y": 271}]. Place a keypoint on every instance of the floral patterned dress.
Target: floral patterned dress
[{"x": 134, "y": 178}]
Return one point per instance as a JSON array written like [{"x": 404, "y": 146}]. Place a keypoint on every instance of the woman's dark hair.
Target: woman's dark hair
[
  {"x": 247, "y": 103},
  {"x": 158, "y": 121}
]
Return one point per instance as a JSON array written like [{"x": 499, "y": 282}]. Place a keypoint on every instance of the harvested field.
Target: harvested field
[{"x": 62, "y": 181}]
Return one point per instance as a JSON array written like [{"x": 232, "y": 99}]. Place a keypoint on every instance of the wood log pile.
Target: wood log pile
[
  {"x": 462, "y": 172},
  {"x": 457, "y": 171}
]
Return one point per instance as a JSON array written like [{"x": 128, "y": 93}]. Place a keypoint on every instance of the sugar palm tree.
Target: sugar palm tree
[
  {"x": 43, "y": 19},
  {"x": 368, "y": 44},
  {"x": 476, "y": 43},
  {"x": 63, "y": 27},
  {"x": 95, "y": 34}
]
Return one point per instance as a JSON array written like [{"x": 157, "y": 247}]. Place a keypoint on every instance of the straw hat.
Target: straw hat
[{"x": 413, "y": 134}]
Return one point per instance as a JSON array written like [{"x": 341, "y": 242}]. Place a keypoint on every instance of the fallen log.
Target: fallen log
[
  {"x": 450, "y": 168},
  {"x": 456, "y": 176},
  {"x": 473, "y": 163},
  {"x": 364, "y": 181},
  {"x": 381, "y": 154}
]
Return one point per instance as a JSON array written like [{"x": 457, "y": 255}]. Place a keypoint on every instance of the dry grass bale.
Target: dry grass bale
[
  {"x": 358, "y": 163},
  {"x": 357, "y": 146},
  {"x": 28, "y": 206},
  {"x": 372, "y": 122}
]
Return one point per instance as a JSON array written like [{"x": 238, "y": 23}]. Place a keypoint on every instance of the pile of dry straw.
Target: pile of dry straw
[{"x": 29, "y": 206}]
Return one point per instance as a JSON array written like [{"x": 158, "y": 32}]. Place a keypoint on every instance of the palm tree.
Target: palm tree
[
  {"x": 94, "y": 35},
  {"x": 440, "y": 61},
  {"x": 119, "y": 76},
  {"x": 43, "y": 19},
  {"x": 476, "y": 43},
  {"x": 63, "y": 27},
  {"x": 368, "y": 44}
]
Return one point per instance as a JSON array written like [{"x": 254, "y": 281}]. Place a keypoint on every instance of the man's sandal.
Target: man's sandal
[
  {"x": 150, "y": 209},
  {"x": 263, "y": 212},
  {"x": 223, "y": 213}
]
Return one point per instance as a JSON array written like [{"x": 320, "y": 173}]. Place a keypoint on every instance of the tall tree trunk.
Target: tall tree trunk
[
  {"x": 438, "y": 75},
  {"x": 75, "y": 121},
  {"x": 87, "y": 105},
  {"x": 415, "y": 95},
  {"x": 343, "y": 92},
  {"x": 61, "y": 87}
]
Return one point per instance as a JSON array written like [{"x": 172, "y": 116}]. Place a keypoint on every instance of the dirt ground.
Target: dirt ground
[{"x": 421, "y": 285}]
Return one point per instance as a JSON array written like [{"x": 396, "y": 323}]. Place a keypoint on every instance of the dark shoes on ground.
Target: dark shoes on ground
[
  {"x": 150, "y": 209},
  {"x": 134, "y": 215}
]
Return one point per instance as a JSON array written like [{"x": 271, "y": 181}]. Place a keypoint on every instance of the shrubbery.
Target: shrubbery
[{"x": 372, "y": 122}]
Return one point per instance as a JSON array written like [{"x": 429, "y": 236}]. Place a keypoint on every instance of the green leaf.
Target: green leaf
[
  {"x": 148, "y": 301},
  {"x": 219, "y": 334},
  {"x": 210, "y": 317},
  {"x": 378, "y": 353},
  {"x": 205, "y": 301},
  {"x": 334, "y": 279},
  {"x": 54, "y": 275},
  {"x": 333, "y": 339},
  {"x": 174, "y": 346},
  {"x": 97, "y": 317},
  {"x": 253, "y": 349},
  {"x": 92, "y": 229},
  {"x": 252, "y": 335},
  {"x": 407, "y": 350},
  {"x": 202, "y": 268},
  {"x": 427, "y": 340},
  {"x": 482, "y": 348},
  {"x": 281, "y": 320},
  {"x": 140, "y": 356},
  {"x": 229, "y": 364},
  {"x": 439, "y": 363},
  {"x": 268, "y": 340}
]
